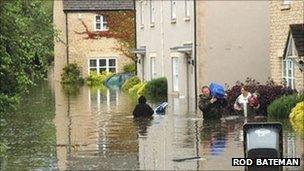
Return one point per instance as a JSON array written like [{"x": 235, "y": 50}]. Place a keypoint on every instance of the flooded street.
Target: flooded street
[{"x": 93, "y": 129}]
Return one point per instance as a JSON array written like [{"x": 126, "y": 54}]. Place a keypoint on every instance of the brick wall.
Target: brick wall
[{"x": 280, "y": 18}]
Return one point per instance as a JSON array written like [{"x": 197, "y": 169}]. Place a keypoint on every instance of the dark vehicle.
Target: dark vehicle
[{"x": 117, "y": 80}]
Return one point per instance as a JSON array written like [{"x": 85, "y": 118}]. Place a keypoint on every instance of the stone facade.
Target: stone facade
[
  {"x": 80, "y": 49},
  {"x": 281, "y": 16}
]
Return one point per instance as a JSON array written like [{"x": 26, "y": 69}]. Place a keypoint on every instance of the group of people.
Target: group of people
[{"x": 211, "y": 106}]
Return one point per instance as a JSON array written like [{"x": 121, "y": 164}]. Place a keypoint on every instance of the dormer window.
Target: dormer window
[
  {"x": 100, "y": 23},
  {"x": 288, "y": 64}
]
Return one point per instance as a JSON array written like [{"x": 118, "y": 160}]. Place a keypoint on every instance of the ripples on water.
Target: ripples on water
[{"x": 94, "y": 129}]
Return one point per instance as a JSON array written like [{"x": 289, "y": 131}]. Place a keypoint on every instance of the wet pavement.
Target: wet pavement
[{"x": 93, "y": 129}]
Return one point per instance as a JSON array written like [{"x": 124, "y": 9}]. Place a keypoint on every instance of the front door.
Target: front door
[{"x": 175, "y": 73}]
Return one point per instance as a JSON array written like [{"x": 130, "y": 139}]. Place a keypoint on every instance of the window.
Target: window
[
  {"x": 175, "y": 79},
  {"x": 153, "y": 70},
  {"x": 288, "y": 64},
  {"x": 173, "y": 10},
  {"x": 187, "y": 9},
  {"x": 100, "y": 23},
  {"x": 286, "y": 2},
  {"x": 152, "y": 12},
  {"x": 288, "y": 74},
  {"x": 101, "y": 65},
  {"x": 141, "y": 11}
]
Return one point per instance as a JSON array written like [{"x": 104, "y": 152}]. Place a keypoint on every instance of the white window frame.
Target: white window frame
[
  {"x": 288, "y": 64},
  {"x": 175, "y": 73},
  {"x": 153, "y": 73},
  {"x": 103, "y": 23},
  {"x": 287, "y": 2},
  {"x": 107, "y": 67},
  {"x": 187, "y": 9},
  {"x": 173, "y": 10},
  {"x": 141, "y": 12},
  {"x": 152, "y": 13}
]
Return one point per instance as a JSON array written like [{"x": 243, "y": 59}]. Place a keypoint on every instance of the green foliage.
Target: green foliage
[
  {"x": 156, "y": 88},
  {"x": 281, "y": 107},
  {"x": 71, "y": 75},
  {"x": 96, "y": 79},
  {"x": 137, "y": 89},
  {"x": 26, "y": 44},
  {"x": 129, "y": 67},
  {"x": 129, "y": 83},
  {"x": 297, "y": 117}
]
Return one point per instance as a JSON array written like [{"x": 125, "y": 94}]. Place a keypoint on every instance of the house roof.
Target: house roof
[
  {"x": 297, "y": 33},
  {"x": 96, "y": 5}
]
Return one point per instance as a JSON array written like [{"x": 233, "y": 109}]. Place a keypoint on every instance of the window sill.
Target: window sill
[
  {"x": 141, "y": 26},
  {"x": 152, "y": 24},
  {"x": 173, "y": 21},
  {"x": 285, "y": 7},
  {"x": 101, "y": 30},
  {"x": 187, "y": 19}
]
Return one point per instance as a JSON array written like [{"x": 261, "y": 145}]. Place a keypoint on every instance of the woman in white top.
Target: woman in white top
[{"x": 242, "y": 101}]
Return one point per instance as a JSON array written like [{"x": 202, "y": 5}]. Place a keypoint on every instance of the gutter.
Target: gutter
[
  {"x": 194, "y": 54},
  {"x": 67, "y": 37},
  {"x": 135, "y": 35}
]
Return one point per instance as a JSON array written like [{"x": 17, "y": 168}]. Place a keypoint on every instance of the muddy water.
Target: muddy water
[{"x": 93, "y": 128}]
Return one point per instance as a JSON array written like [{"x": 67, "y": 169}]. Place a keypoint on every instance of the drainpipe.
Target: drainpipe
[
  {"x": 194, "y": 54},
  {"x": 135, "y": 35},
  {"x": 67, "y": 36}
]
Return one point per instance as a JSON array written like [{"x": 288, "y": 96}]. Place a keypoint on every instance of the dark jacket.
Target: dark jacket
[
  {"x": 142, "y": 109},
  {"x": 211, "y": 110}
]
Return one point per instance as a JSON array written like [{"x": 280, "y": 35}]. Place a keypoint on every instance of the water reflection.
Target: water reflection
[{"x": 94, "y": 129}]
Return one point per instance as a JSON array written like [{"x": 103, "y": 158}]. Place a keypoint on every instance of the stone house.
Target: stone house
[
  {"x": 193, "y": 43},
  {"x": 287, "y": 43},
  {"x": 85, "y": 36}
]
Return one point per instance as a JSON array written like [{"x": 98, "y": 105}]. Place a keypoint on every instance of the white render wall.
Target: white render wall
[{"x": 164, "y": 35}]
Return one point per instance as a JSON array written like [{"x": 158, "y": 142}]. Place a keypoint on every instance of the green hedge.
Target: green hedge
[
  {"x": 129, "y": 67},
  {"x": 156, "y": 88},
  {"x": 129, "y": 83},
  {"x": 281, "y": 107},
  {"x": 96, "y": 79},
  {"x": 71, "y": 74}
]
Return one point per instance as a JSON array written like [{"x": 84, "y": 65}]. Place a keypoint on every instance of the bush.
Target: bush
[
  {"x": 297, "y": 117},
  {"x": 268, "y": 92},
  {"x": 71, "y": 74},
  {"x": 281, "y": 107},
  {"x": 129, "y": 67},
  {"x": 137, "y": 89},
  {"x": 156, "y": 88},
  {"x": 96, "y": 79},
  {"x": 129, "y": 83}
]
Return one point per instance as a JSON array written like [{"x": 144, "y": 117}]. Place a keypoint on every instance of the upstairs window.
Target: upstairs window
[
  {"x": 141, "y": 11},
  {"x": 187, "y": 9},
  {"x": 100, "y": 23},
  {"x": 286, "y": 2},
  {"x": 152, "y": 12},
  {"x": 173, "y": 10}
]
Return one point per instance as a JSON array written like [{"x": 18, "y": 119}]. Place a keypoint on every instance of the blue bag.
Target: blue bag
[
  {"x": 161, "y": 108},
  {"x": 217, "y": 90}
]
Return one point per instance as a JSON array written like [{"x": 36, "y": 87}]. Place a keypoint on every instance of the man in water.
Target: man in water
[
  {"x": 142, "y": 109},
  {"x": 211, "y": 106}
]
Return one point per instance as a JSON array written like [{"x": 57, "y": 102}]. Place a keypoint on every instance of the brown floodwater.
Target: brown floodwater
[{"x": 93, "y": 129}]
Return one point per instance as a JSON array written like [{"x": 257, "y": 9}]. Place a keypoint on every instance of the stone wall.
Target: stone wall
[
  {"x": 281, "y": 16},
  {"x": 80, "y": 48}
]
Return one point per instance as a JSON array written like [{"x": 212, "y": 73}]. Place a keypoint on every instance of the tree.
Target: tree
[{"x": 26, "y": 44}]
